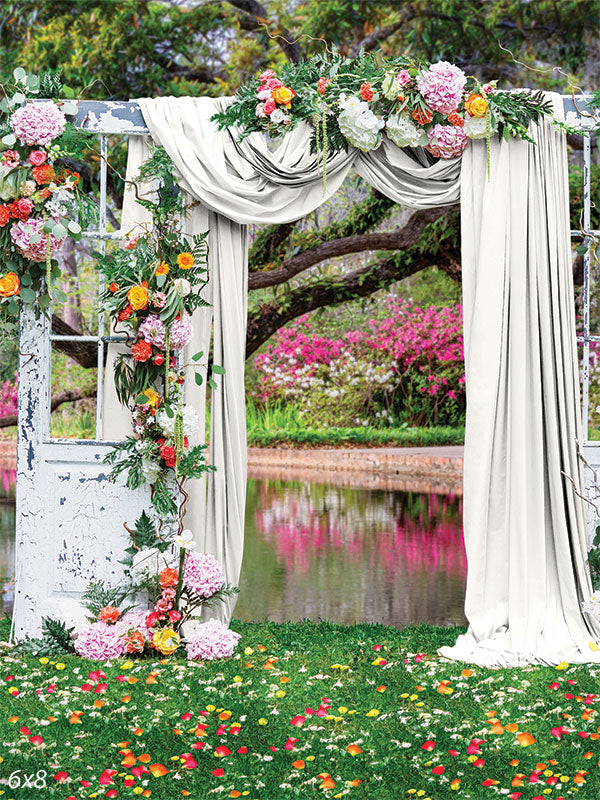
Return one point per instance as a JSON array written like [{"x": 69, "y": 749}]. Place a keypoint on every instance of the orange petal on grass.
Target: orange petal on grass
[
  {"x": 526, "y": 739},
  {"x": 158, "y": 770},
  {"x": 354, "y": 749},
  {"x": 497, "y": 728},
  {"x": 328, "y": 783},
  {"x": 129, "y": 761},
  {"x": 126, "y": 698},
  {"x": 74, "y": 718},
  {"x": 144, "y": 758},
  {"x": 298, "y": 764},
  {"x": 132, "y": 679},
  {"x": 466, "y": 673},
  {"x": 381, "y": 688},
  {"x": 99, "y": 703},
  {"x": 512, "y": 727},
  {"x": 284, "y": 679},
  {"x": 138, "y": 731},
  {"x": 355, "y": 782}
]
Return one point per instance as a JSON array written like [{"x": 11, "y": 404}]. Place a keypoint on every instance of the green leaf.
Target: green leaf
[
  {"x": 19, "y": 74},
  {"x": 68, "y": 92},
  {"x": 198, "y": 378},
  {"x": 197, "y": 356},
  {"x": 141, "y": 399},
  {"x": 73, "y": 226},
  {"x": 170, "y": 412},
  {"x": 27, "y": 295},
  {"x": 59, "y": 230},
  {"x": 9, "y": 139},
  {"x": 212, "y": 384},
  {"x": 217, "y": 370}
]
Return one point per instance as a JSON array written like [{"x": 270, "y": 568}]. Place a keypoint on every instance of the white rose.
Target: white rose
[
  {"x": 277, "y": 116},
  {"x": 182, "y": 286},
  {"x": 264, "y": 94},
  {"x": 260, "y": 110}
]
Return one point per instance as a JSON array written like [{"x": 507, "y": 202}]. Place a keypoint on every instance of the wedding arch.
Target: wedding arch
[{"x": 525, "y": 523}]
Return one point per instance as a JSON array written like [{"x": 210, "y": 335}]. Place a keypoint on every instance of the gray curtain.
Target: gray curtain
[{"x": 524, "y": 525}]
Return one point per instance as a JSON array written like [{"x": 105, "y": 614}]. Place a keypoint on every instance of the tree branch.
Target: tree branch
[
  {"x": 258, "y": 19},
  {"x": 66, "y": 396},
  {"x": 85, "y": 353},
  {"x": 396, "y": 240}
]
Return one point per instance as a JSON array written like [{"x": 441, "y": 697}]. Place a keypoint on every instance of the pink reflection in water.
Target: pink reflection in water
[
  {"x": 8, "y": 480},
  {"x": 396, "y": 537}
]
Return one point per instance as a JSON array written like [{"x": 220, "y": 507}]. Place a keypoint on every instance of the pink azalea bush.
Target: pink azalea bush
[
  {"x": 406, "y": 367},
  {"x": 8, "y": 399},
  {"x": 38, "y": 123},
  {"x": 203, "y": 574},
  {"x": 211, "y": 640}
]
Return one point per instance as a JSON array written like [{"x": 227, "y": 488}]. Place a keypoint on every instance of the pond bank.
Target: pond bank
[{"x": 424, "y": 469}]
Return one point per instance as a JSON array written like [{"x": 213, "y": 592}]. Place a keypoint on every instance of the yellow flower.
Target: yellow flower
[
  {"x": 162, "y": 269},
  {"x": 138, "y": 297},
  {"x": 166, "y": 641},
  {"x": 185, "y": 260},
  {"x": 153, "y": 398},
  {"x": 476, "y": 105},
  {"x": 9, "y": 285},
  {"x": 283, "y": 96},
  {"x": 263, "y": 721}
]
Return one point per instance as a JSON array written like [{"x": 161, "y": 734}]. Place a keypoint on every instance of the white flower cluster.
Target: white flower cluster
[
  {"x": 190, "y": 422},
  {"x": 405, "y": 133},
  {"x": 358, "y": 124},
  {"x": 476, "y": 127}
]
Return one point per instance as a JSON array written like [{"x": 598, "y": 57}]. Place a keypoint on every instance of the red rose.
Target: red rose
[
  {"x": 169, "y": 454},
  {"x": 174, "y": 616},
  {"x": 158, "y": 359},
  {"x": 141, "y": 350},
  {"x": 4, "y": 216},
  {"x": 21, "y": 208},
  {"x": 37, "y": 158},
  {"x": 113, "y": 287},
  {"x": 43, "y": 174},
  {"x": 125, "y": 313}
]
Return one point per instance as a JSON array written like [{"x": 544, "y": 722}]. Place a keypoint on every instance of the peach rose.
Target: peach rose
[{"x": 9, "y": 285}]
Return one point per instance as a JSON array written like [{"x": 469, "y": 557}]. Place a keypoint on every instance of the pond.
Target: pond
[{"x": 321, "y": 551}]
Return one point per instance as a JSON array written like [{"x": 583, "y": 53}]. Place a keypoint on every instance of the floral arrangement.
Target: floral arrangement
[
  {"x": 154, "y": 285},
  {"x": 168, "y": 584},
  {"x": 40, "y": 201},
  {"x": 357, "y": 102}
]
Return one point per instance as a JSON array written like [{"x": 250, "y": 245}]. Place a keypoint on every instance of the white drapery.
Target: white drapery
[{"x": 522, "y": 389}]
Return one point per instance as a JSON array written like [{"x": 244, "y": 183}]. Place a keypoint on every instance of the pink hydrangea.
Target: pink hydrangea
[
  {"x": 100, "y": 642},
  {"x": 152, "y": 330},
  {"x": 21, "y": 234},
  {"x": 212, "y": 640},
  {"x": 446, "y": 141},
  {"x": 203, "y": 574},
  {"x": 38, "y": 123},
  {"x": 442, "y": 86},
  {"x": 181, "y": 331}
]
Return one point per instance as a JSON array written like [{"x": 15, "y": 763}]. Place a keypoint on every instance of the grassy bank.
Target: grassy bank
[{"x": 391, "y": 722}]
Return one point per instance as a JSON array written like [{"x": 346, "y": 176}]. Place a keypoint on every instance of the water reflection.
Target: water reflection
[
  {"x": 315, "y": 551},
  {"x": 320, "y": 551}
]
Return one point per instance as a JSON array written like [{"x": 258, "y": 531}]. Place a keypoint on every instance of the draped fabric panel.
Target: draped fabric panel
[
  {"x": 524, "y": 527},
  {"x": 524, "y": 524}
]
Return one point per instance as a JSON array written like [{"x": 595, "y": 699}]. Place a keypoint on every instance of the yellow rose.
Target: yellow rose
[
  {"x": 9, "y": 285},
  {"x": 153, "y": 398},
  {"x": 166, "y": 641},
  {"x": 283, "y": 96},
  {"x": 476, "y": 105},
  {"x": 138, "y": 297}
]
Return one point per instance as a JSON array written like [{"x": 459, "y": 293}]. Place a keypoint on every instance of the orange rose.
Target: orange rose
[
  {"x": 423, "y": 117},
  {"x": 476, "y": 105},
  {"x": 283, "y": 96},
  {"x": 109, "y": 614},
  {"x": 9, "y": 285},
  {"x": 163, "y": 268},
  {"x": 138, "y": 297},
  {"x": 185, "y": 260},
  {"x": 114, "y": 287},
  {"x": 43, "y": 174}
]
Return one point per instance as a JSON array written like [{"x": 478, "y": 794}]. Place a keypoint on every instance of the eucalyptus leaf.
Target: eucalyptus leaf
[
  {"x": 59, "y": 230},
  {"x": 19, "y": 74},
  {"x": 27, "y": 295},
  {"x": 218, "y": 370},
  {"x": 198, "y": 378},
  {"x": 197, "y": 356},
  {"x": 9, "y": 139},
  {"x": 73, "y": 226},
  {"x": 212, "y": 384}
]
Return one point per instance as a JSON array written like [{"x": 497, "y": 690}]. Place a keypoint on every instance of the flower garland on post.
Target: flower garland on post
[
  {"x": 357, "y": 101},
  {"x": 40, "y": 199}
]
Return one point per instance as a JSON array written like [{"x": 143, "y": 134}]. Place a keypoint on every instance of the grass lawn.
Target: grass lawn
[
  {"x": 301, "y": 710},
  {"x": 355, "y": 437}
]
